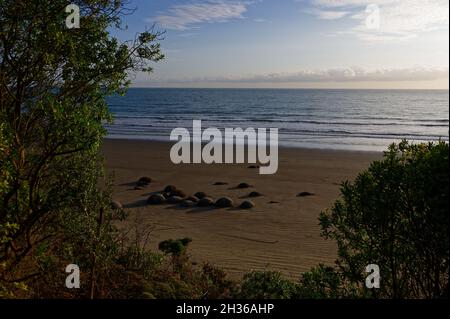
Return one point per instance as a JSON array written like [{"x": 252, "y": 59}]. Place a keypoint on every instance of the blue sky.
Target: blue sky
[{"x": 297, "y": 43}]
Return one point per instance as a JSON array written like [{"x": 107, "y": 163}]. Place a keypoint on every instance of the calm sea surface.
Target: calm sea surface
[{"x": 337, "y": 119}]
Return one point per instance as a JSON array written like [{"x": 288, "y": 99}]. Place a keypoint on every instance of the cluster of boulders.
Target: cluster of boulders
[{"x": 172, "y": 195}]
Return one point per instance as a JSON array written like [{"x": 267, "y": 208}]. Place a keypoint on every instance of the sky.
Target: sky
[{"x": 395, "y": 44}]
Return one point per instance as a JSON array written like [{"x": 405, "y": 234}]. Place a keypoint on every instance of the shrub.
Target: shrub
[
  {"x": 215, "y": 283},
  {"x": 395, "y": 214},
  {"x": 266, "y": 285},
  {"x": 180, "y": 279},
  {"x": 322, "y": 282},
  {"x": 174, "y": 247}
]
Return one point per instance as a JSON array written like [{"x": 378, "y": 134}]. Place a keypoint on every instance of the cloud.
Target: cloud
[
  {"x": 327, "y": 14},
  {"x": 349, "y": 3},
  {"x": 396, "y": 19},
  {"x": 351, "y": 74},
  {"x": 186, "y": 16}
]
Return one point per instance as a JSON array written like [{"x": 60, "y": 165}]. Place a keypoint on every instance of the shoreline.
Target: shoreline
[
  {"x": 280, "y": 146},
  {"x": 280, "y": 233}
]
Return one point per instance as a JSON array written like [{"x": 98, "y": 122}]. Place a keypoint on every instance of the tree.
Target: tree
[
  {"x": 322, "y": 282},
  {"x": 53, "y": 84},
  {"x": 395, "y": 214}
]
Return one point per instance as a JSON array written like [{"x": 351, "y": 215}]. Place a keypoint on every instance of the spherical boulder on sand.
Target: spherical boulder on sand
[
  {"x": 200, "y": 195},
  {"x": 255, "y": 194},
  {"x": 156, "y": 199},
  {"x": 192, "y": 199},
  {"x": 178, "y": 193},
  {"x": 247, "y": 204},
  {"x": 144, "y": 181},
  {"x": 224, "y": 202},
  {"x": 205, "y": 202},
  {"x": 174, "y": 199},
  {"x": 169, "y": 189},
  {"x": 243, "y": 185},
  {"x": 116, "y": 204},
  {"x": 304, "y": 194},
  {"x": 187, "y": 203}
]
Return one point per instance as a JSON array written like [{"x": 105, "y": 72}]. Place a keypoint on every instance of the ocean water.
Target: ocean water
[{"x": 336, "y": 119}]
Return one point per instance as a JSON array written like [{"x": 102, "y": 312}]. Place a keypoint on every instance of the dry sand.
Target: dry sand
[{"x": 282, "y": 236}]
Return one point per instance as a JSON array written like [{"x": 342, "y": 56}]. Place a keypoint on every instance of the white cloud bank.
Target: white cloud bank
[
  {"x": 353, "y": 74},
  {"x": 186, "y": 16},
  {"x": 399, "y": 19}
]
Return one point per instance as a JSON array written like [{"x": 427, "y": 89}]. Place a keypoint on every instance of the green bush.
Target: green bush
[
  {"x": 266, "y": 285},
  {"x": 139, "y": 260},
  {"x": 396, "y": 215},
  {"x": 178, "y": 278},
  {"x": 319, "y": 283},
  {"x": 215, "y": 283},
  {"x": 174, "y": 247}
]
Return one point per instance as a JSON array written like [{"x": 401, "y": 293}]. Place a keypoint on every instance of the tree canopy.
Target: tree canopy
[{"x": 53, "y": 84}]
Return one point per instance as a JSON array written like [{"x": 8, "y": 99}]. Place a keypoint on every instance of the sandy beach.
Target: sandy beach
[{"x": 280, "y": 233}]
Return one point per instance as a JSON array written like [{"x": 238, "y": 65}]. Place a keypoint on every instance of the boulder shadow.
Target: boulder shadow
[
  {"x": 133, "y": 186},
  {"x": 240, "y": 187},
  {"x": 236, "y": 209},
  {"x": 151, "y": 193},
  {"x": 190, "y": 210},
  {"x": 128, "y": 184},
  {"x": 199, "y": 210},
  {"x": 251, "y": 195},
  {"x": 177, "y": 207},
  {"x": 219, "y": 183}
]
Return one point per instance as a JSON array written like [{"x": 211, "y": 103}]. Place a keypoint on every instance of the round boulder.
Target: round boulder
[
  {"x": 243, "y": 185},
  {"x": 192, "y": 199},
  {"x": 247, "y": 204},
  {"x": 174, "y": 199},
  {"x": 178, "y": 193},
  {"x": 145, "y": 180},
  {"x": 200, "y": 195},
  {"x": 205, "y": 202},
  {"x": 156, "y": 199},
  {"x": 224, "y": 202},
  {"x": 187, "y": 203},
  {"x": 169, "y": 189}
]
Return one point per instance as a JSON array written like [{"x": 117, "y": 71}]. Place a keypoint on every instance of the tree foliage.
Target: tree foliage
[
  {"x": 266, "y": 285},
  {"x": 396, "y": 215},
  {"x": 53, "y": 84}
]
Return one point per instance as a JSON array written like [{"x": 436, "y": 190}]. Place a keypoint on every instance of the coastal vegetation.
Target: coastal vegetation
[
  {"x": 55, "y": 196},
  {"x": 52, "y": 109}
]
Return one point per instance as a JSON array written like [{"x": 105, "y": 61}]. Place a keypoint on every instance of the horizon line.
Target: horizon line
[{"x": 287, "y": 88}]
